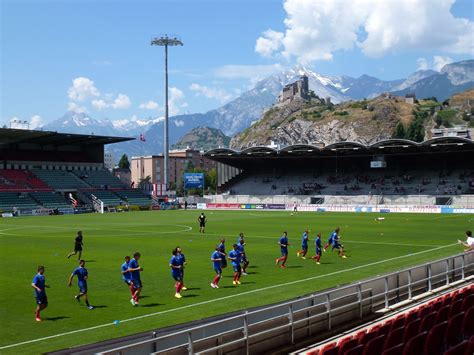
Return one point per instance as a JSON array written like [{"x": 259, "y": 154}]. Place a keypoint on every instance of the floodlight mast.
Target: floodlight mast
[{"x": 166, "y": 41}]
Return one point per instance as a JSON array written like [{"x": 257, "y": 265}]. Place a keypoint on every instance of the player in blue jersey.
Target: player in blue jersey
[
  {"x": 182, "y": 260},
  {"x": 236, "y": 257},
  {"x": 336, "y": 244},
  {"x": 39, "y": 284},
  {"x": 221, "y": 247},
  {"x": 304, "y": 245},
  {"x": 136, "y": 282},
  {"x": 124, "y": 269},
  {"x": 176, "y": 272},
  {"x": 317, "y": 245},
  {"x": 241, "y": 248},
  {"x": 331, "y": 238},
  {"x": 216, "y": 258},
  {"x": 82, "y": 275},
  {"x": 283, "y": 242}
]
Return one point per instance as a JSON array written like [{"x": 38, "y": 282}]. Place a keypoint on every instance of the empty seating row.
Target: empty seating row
[
  {"x": 107, "y": 197},
  {"x": 20, "y": 180},
  {"x": 50, "y": 199},
  {"x": 100, "y": 179},
  {"x": 11, "y": 200},
  {"x": 60, "y": 179},
  {"x": 432, "y": 329},
  {"x": 134, "y": 197}
]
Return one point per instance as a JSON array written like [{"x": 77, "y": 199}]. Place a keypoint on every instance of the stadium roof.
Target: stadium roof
[
  {"x": 9, "y": 136},
  {"x": 388, "y": 146}
]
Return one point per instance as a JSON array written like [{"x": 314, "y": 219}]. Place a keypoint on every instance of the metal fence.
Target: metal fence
[{"x": 291, "y": 322}]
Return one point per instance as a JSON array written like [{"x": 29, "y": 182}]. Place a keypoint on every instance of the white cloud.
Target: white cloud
[
  {"x": 36, "y": 121},
  {"x": 150, "y": 105},
  {"x": 72, "y": 106},
  {"x": 252, "y": 72},
  {"x": 82, "y": 88},
  {"x": 211, "y": 93},
  {"x": 316, "y": 29},
  {"x": 179, "y": 123},
  {"x": 100, "y": 104},
  {"x": 423, "y": 64},
  {"x": 269, "y": 43},
  {"x": 437, "y": 63},
  {"x": 120, "y": 102},
  {"x": 176, "y": 100}
]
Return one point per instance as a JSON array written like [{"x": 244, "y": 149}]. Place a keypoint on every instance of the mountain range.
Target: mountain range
[{"x": 240, "y": 113}]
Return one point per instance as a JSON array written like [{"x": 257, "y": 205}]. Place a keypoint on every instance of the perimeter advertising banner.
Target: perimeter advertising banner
[{"x": 193, "y": 180}]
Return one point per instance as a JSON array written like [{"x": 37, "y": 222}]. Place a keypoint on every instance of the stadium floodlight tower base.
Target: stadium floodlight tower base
[{"x": 165, "y": 41}]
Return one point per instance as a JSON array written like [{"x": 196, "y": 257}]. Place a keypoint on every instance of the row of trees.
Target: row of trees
[{"x": 415, "y": 131}]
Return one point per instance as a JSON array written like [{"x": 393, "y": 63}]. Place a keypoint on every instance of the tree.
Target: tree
[
  {"x": 124, "y": 163},
  {"x": 399, "y": 131},
  {"x": 144, "y": 182}
]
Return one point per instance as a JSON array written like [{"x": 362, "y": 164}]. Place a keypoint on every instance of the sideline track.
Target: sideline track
[{"x": 220, "y": 299}]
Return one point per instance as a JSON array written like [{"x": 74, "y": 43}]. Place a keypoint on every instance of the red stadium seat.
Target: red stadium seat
[
  {"x": 428, "y": 322},
  {"x": 434, "y": 344},
  {"x": 330, "y": 351},
  {"x": 411, "y": 316},
  {"x": 358, "y": 350},
  {"x": 395, "y": 337},
  {"x": 411, "y": 330},
  {"x": 458, "y": 296},
  {"x": 423, "y": 311},
  {"x": 326, "y": 347},
  {"x": 383, "y": 330},
  {"x": 374, "y": 346},
  {"x": 459, "y": 349},
  {"x": 455, "y": 308},
  {"x": 365, "y": 338},
  {"x": 468, "y": 302},
  {"x": 346, "y": 345},
  {"x": 442, "y": 314},
  {"x": 468, "y": 323},
  {"x": 395, "y": 350},
  {"x": 436, "y": 305},
  {"x": 398, "y": 322},
  {"x": 453, "y": 334},
  {"x": 415, "y": 345}
]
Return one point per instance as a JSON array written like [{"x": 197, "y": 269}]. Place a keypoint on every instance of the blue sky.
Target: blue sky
[{"x": 96, "y": 55}]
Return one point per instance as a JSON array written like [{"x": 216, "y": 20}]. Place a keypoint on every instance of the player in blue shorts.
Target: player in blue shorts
[
  {"x": 136, "y": 282},
  {"x": 126, "y": 274},
  {"x": 331, "y": 238},
  {"x": 304, "y": 245},
  {"x": 241, "y": 248},
  {"x": 82, "y": 275},
  {"x": 336, "y": 244},
  {"x": 317, "y": 244},
  {"x": 176, "y": 272},
  {"x": 221, "y": 247},
  {"x": 236, "y": 257},
  {"x": 283, "y": 242},
  {"x": 182, "y": 260},
  {"x": 39, "y": 284},
  {"x": 216, "y": 258}
]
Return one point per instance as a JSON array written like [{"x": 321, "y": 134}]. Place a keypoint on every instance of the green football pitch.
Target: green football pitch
[{"x": 373, "y": 248}]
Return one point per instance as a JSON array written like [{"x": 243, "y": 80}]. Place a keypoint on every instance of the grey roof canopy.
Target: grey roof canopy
[{"x": 381, "y": 147}]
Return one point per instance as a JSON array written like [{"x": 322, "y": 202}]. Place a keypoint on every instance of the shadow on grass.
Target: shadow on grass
[
  {"x": 192, "y": 289},
  {"x": 54, "y": 319},
  {"x": 101, "y": 306},
  {"x": 247, "y": 282},
  {"x": 89, "y": 261},
  {"x": 151, "y": 305},
  {"x": 189, "y": 295},
  {"x": 253, "y": 272},
  {"x": 293, "y": 267},
  {"x": 141, "y": 297}
]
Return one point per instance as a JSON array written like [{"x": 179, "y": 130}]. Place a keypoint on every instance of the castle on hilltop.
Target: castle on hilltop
[{"x": 299, "y": 88}]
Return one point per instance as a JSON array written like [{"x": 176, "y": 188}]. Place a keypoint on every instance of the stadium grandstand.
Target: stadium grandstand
[
  {"x": 42, "y": 171},
  {"x": 440, "y": 170}
]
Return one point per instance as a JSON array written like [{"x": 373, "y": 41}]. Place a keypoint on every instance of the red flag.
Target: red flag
[{"x": 142, "y": 137}]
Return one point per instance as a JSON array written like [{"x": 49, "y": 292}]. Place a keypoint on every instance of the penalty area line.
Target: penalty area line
[{"x": 222, "y": 298}]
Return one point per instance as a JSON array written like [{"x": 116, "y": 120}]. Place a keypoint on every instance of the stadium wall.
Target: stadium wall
[{"x": 377, "y": 204}]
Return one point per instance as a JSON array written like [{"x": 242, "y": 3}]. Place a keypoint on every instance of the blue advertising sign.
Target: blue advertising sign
[{"x": 193, "y": 180}]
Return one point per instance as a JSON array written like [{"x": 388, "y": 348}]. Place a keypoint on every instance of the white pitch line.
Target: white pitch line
[{"x": 222, "y": 298}]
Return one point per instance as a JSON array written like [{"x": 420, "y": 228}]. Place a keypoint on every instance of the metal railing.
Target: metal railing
[{"x": 289, "y": 322}]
